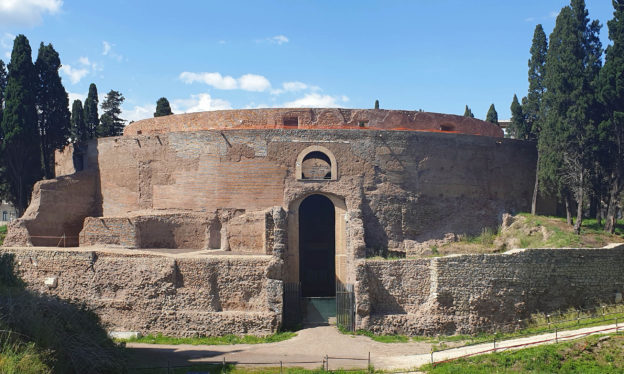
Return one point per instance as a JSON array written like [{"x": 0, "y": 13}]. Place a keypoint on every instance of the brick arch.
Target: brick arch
[{"x": 316, "y": 148}]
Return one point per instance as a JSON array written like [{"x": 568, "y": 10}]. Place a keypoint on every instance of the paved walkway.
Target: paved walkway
[{"x": 311, "y": 345}]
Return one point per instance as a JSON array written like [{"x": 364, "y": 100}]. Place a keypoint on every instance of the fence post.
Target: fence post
[
  {"x": 616, "y": 325},
  {"x": 281, "y": 367},
  {"x": 327, "y": 362},
  {"x": 556, "y": 335},
  {"x": 369, "y": 364},
  {"x": 431, "y": 356},
  {"x": 494, "y": 344}
]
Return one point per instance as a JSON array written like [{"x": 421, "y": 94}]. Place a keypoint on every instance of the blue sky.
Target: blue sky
[{"x": 421, "y": 54}]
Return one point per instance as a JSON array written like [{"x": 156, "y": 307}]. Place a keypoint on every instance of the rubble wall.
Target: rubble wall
[
  {"x": 149, "y": 293},
  {"x": 470, "y": 293}
]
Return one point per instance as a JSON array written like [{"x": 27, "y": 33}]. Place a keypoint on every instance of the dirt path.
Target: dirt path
[{"x": 311, "y": 345}]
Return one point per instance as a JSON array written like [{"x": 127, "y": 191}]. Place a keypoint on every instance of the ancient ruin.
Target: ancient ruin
[{"x": 240, "y": 221}]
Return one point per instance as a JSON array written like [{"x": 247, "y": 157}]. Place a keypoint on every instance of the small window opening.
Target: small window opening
[
  {"x": 5, "y": 216},
  {"x": 139, "y": 132},
  {"x": 363, "y": 123},
  {"x": 316, "y": 165},
  {"x": 291, "y": 122},
  {"x": 447, "y": 128},
  {"x": 214, "y": 235}
]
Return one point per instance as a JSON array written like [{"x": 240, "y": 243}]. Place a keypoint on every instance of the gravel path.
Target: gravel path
[{"x": 311, "y": 345}]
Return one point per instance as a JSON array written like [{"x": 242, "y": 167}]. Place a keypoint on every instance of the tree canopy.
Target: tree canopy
[
  {"x": 162, "y": 107},
  {"x": 468, "y": 112},
  {"x": 492, "y": 115},
  {"x": 110, "y": 122},
  {"x": 92, "y": 120}
]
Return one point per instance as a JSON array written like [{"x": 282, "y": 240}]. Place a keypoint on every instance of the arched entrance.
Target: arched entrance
[{"x": 317, "y": 247}]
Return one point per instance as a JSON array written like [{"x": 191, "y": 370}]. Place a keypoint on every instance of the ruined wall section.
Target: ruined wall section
[
  {"x": 314, "y": 118},
  {"x": 175, "y": 296},
  {"x": 470, "y": 293},
  {"x": 56, "y": 212}
]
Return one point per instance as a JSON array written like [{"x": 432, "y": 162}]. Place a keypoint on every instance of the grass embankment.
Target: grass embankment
[
  {"x": 528, "y": 231},
  {"x": 42, "y": 334},
  {"x": 594, "y": 354},
  {"x": 214, "y": 340}
]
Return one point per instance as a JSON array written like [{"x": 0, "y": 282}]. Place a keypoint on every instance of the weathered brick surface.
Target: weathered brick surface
[
  {"x": 177, "y": 296},
  {"x": 468, "y": 293},
  {"x": 314, "y": 118}
]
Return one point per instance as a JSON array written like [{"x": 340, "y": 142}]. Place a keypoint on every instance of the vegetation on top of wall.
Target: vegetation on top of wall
[
  {"x": 3, "y": 232},
  {"x": 593, "y": 354},
  {"x": 528, "y": 231}
]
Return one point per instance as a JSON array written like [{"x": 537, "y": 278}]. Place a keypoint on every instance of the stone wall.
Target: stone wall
[
  {"x": 314, "y": 118},
  {"x": 151, "y": 293},
  {"x": 469, "y": 293}
]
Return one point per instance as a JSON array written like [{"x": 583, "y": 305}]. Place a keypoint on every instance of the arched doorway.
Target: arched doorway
[{"x": 317, "y": 247}]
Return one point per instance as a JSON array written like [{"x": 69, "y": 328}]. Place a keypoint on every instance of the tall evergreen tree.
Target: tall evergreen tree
[
  {"x": 468, "y": 112},
  {"x": 162, "y": 107},
  {"x": 518, "y": 128},
  {"x": 3, "y": 83},
  {"x": 612, "y": 128},
  {"x": 533, "y": 106},
  {"x": 492, "y": 115},
  {"x": 110, "y": 122},
  {"x": 567, "y": 137},
  {"x": 92, "y": 120},
  {"x": 79, "y": 131},
  {"x": 376, "y": 104},
  {"x": 52, "y": 107},
  {"x": 20, "y": 149}
]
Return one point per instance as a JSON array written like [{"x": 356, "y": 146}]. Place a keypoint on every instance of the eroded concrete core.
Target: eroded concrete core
[{"x": 183, "y": 184}]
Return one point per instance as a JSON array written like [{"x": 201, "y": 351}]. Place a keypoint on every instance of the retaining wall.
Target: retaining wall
[
  {"x": 151, "y": 293},
  {"x": 469, "y": 293}
]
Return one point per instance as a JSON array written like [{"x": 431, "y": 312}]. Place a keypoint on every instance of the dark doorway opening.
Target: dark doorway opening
[{"x": 317, "y": 251}]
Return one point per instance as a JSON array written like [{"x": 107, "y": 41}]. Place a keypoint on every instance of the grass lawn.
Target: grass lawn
[{"x": 214, "y": 340}]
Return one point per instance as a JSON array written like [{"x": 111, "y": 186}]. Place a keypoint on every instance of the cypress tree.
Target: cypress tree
[
  {"x": 3, "y": 83},
  {"x": 78, "y": 125},
  {"x": 376, "y": 104},
  {"x": 468, "y": 112},
  {"x": 52, "y": 107},
  {"x": 518, "y": 127},
  {"x": 110, "y": 123},
  {"x": 611, "y": 96},
  {"x": 162, "y": 108},
  {"x": 20, "y": 146},
  {"x": 92, "y": 119},
  {"x": 567, "y": 137},
  {"x": 533, "y": 106},
  {"x": 492, "y": 116}
]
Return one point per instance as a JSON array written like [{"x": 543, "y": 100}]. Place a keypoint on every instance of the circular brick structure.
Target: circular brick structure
[{"x": 309, "y": 118}]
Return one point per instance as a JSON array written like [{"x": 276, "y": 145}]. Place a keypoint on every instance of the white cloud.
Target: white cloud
[
  {"x": 278, "y": 39},
  {"x": 27, "y": 12},
  {"x": 253, "y": 82},
  {"x": 107, "y": 50},
  {"x": 106, "y": 47},
  {"x": 74, "y": 74},
  {"x": 199, "y": 103},
  {"x": 247, "y": 82},
  {"x": 138, "y": 112},
  {"x": 6, "y": 42},
  {"x": 315, "y": 100},
  {"x": 293, "y": 87}
]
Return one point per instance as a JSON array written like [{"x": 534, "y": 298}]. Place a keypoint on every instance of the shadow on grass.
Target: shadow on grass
[{"x": 71, "y": 336}]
